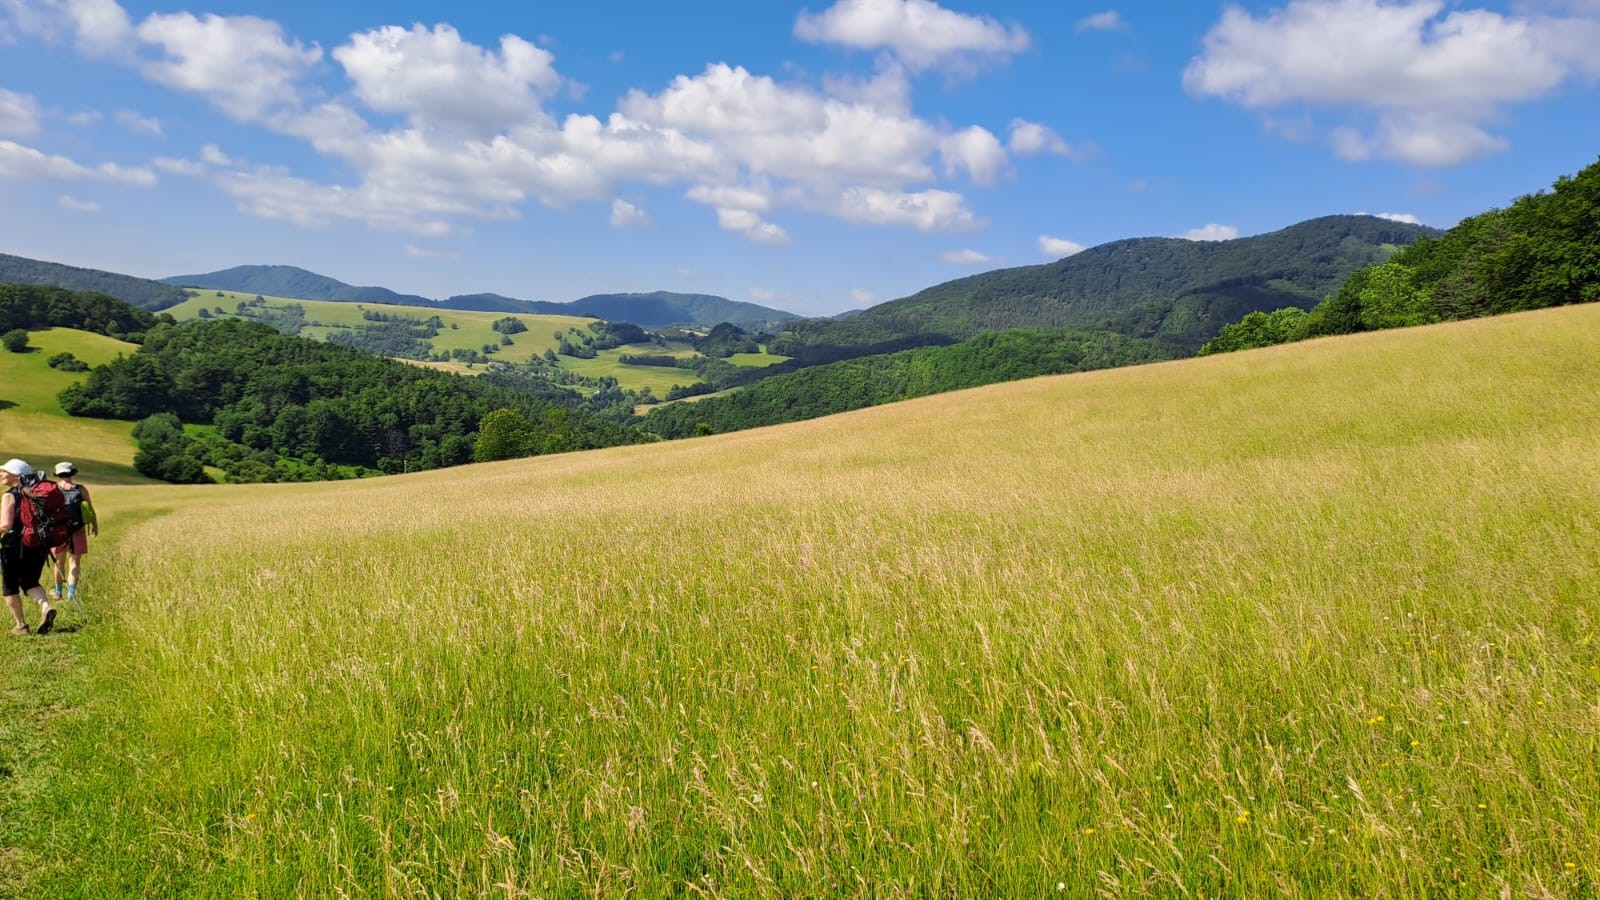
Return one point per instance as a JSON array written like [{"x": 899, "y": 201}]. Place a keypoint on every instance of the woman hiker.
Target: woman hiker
[{"x": 20, "y": 566}]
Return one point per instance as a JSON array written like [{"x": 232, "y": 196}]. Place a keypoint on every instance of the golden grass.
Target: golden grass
[{"x": 1313, "y": 620}]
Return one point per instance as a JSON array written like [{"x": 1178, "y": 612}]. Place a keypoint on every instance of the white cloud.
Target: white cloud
[
  {"x": 27, "y": 164},
  {"x": 964, "y": 257},
  {"x": 211, "y": 154},
  {"x": 242, "y": 64},
  {"x": 729, "y": 196},
  {"x": 978, "y": 152},
  {"x": 87, "y": 117},
  {"x": 627, "y": 215},
  {"x": 436, "y": 78},
  {"x": 415, "y": 252},
  {"x": 76, "y": 205},
  {"x": 865, "y": 298},
  {"x": 1029, "y": 138},
  {"x": 175, "y": 166},
  {"x": 920, "y": 33},
  {"x": 99, "y": 28},
  {"x": 19, "y": 114},
  {"x": 1419, "y": 79},
  {"x": 932, "y": 210},
  {"x": 1056, "y": 248},
  {"x": 752, "y": 226},
  {"x": 138, "y": 124},
  {"x": 762, "y": 295},
  {"x": 1110, "y": 20},
  {"x": 1407, "y": 218},
  {"x": 1211, "y": 233}
]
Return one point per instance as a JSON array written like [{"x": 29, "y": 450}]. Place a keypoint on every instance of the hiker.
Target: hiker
[
  {"x": 21, "y": 563},
  {"x": 84, "y": 523}
]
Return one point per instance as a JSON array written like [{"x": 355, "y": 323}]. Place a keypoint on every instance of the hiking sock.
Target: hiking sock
[{"x": 72, "y": 592}]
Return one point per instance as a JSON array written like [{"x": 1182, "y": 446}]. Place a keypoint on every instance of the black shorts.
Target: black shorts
[{"x": 20, "y": 567}]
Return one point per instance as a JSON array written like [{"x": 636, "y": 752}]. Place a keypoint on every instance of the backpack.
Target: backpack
[
  {"x": 73, "y": 496},
  {"x": 43, "y": 513}
]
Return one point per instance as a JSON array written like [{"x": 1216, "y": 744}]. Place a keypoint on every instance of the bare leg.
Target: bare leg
[
  {"x": 15, "y": 602},
  {"x": 47, "y": 613}
]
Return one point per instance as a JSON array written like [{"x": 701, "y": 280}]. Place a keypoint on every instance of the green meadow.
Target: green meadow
[
  {"x": 32, "y": 425},
  {"x": 1314, "y": 620},
  {"x": 472, "y": 331}
]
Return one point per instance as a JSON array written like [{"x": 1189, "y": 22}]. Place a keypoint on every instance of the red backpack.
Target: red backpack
[{"x": 42, "y": 510}]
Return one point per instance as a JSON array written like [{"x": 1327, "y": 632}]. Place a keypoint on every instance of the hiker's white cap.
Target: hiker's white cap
[
  {"x": 66, "y": 468},
  {"x": 18, "y": 468}
]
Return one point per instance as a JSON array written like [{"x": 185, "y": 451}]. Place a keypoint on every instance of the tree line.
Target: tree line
[
  {"x": 1541, "y": 251},
  {"x": 872, "y": 380},
  {"x": 279, "y": 403}
]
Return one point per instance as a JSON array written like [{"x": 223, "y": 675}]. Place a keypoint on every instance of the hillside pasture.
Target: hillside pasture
[
  {"x": 472, "y": 331},
  {"x": 32, "y": 424},
  {"x": 1316, "y": 620}
]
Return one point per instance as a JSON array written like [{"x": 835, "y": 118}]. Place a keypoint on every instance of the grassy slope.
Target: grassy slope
[
  {"x": 36, "y": 429},
  {"x": 474, "y": 332},
  {"x": 475, "y": 327},
  {"x": 1313, "y": 620}
]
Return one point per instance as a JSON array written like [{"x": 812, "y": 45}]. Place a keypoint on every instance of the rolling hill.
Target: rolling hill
[
  {"x": 1150, "y": 630},
  {"x": 1176, "y": 291},
  {"x": 647, "y": 310},
  {"x": 140, "y": 292}
]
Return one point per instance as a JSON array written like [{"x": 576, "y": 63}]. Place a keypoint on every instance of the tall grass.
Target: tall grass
[{"x": 1315, "y": 620}]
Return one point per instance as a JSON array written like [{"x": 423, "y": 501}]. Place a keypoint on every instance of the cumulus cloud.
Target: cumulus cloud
[
  {"x": 627, "y": 215},
  {"x": 243, "y": 64},
  {"x": 964, "y": 257},
  {"x": 22, "y": 163},
  {"x": 138, "y": 124},
  {"x": 435, "y": 77},
  {"x": 1030, "y": 138},
  {"x": 1407, "y": 218},
  {"x": 74, "y": 204},
  {"x": 931, "y": 210},
  {"x": 1056, "y": 248},
  {"x": 752, "y": 226},
  {"x": 19, "y": 114},
  {"x": 920, "y": 33},
  {"x": 1211, "y": 233},
  {"x": 1419, "y": 79},
  {"x": 1110, "y": 20},
  {"x": 977, "y": 152},
  {"x": 865, "y": 298},
  {"x": 433, "y": 128}
]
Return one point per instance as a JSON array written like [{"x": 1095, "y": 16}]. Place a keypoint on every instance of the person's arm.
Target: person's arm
[
  {"x": 90, "y": 520},
  {"x": 8, "y": 512}
]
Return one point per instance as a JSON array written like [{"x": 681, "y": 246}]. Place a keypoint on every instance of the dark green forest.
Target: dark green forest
[
  {"x": 285, "y": 407},
  {"x": 33, "y": 306},
  {"x": 869, "y": 381},
  {"x": 1177, "y": 291},
  {"x": 140, "y": 292},
  {"x": 1541, "y": 251}
]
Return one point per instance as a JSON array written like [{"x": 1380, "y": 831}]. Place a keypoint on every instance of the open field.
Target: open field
[
  {"x": 1317, "y": 620},
  {"x": 32, "y": 425}
]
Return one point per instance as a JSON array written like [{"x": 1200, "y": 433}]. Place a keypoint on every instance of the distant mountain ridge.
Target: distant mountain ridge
[
  {"x": 648, "y": 310},
  {"x": 1172, "y": 290},
  {"x": 140, "y": 292},
  {"x": 293, "y": 281}
]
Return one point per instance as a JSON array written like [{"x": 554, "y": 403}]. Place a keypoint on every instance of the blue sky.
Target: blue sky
[{"x": 815, "y": 157}]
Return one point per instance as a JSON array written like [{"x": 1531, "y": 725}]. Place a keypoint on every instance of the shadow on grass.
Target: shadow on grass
[{"x": 7, "y": 404}]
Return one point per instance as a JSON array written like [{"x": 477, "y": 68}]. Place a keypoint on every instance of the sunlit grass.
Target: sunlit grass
[
  {"x": 32, "y": 425},
  {"x": 1317, "y": 620}
]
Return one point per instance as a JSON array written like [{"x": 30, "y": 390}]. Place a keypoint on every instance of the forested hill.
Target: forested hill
[
  {"x": 292, "y": 281},
  {"x": 140, "y": 292},
  {"x": 1177, "y": 291},
  {"x": 662, "y": 308}
]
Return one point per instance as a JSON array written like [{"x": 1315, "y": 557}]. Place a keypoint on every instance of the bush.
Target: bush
[
  {"x": 66, "y": 362},
  {"x": 15, "y": 340}
]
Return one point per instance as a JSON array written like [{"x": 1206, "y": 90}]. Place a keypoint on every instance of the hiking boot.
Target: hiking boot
[
  {"x": 20, "y": 629},
  {"x": 55, "y": 593},
  {"x": 48, "y": 622}
]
